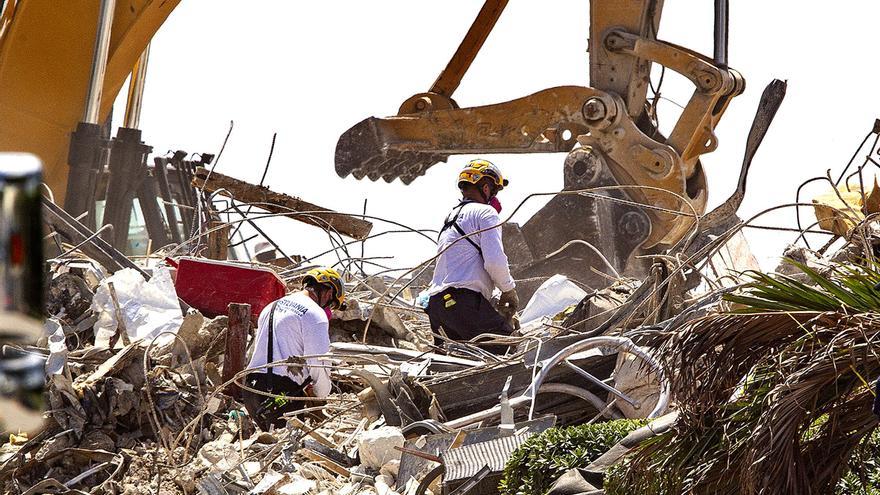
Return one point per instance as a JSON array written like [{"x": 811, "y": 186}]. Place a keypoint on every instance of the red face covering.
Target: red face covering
[{"x": 494, "y": 203}]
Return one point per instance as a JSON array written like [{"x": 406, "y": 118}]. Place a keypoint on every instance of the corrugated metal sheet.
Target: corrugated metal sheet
[{"x": 464, "y": 462}]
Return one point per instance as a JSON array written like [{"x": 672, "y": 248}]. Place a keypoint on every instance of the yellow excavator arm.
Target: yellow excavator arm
[{"x": 46, "y": 49}]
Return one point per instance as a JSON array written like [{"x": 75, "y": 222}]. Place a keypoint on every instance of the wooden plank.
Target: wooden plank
[
  {"x": 321, "y": 439},
  {"x": 218, "y": 241},
  {"x": 236, "y": 343},
  {"x": 273, "y": 202},
  {"x": 325, "y": 462}
]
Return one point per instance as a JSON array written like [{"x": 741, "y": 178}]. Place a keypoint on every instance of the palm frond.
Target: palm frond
[
  {"x": 842, "y": 288},
  {"x": 773, "y": 397}
]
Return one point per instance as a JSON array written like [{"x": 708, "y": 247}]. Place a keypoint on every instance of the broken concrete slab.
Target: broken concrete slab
[{"x": 377, "y": 447}]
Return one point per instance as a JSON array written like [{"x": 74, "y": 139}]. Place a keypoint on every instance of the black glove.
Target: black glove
[{"x": 509, "y": 302}]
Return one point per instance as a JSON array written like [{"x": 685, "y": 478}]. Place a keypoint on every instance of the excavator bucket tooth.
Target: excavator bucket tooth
[{"x": 367, "y": 149}]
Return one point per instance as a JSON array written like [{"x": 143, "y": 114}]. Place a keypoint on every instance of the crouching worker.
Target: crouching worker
[
  {"x": 472, "y": 261},
  {"x": 295, "y": 325}
]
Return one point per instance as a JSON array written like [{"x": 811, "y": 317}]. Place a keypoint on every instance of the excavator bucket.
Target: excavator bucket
[{"x": 405, "y": 146}]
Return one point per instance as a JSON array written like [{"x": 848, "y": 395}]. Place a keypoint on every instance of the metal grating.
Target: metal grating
[{"x": 464, "y": 462}]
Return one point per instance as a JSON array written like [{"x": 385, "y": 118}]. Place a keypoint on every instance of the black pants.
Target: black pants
[
  {"x": 464, "y": 314},
  {"x": 268, "y": 411}
]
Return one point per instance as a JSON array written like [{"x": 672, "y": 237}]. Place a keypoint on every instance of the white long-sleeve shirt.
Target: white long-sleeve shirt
[
  {"x": 462, "y": 266},
  {"x": 301, "y": 329}
]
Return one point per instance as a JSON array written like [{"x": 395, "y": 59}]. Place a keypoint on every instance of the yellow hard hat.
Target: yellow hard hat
[
  {"x": 330, "y": 277},
  {"x": 476, "y": 169}
]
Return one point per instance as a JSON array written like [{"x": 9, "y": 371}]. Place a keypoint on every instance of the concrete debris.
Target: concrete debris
[
  {"x": 69, "y": 297},
  {"x": 296, "y": 485},
  {"x": 377, "y": 447},
  {"x": 804, "y": 256},
  {"x": 396, "y": 319},
  {"x": 383, "y": 484},
  {"x": 220, "y": 455},
  {"x": 137, "y": 379},
  {"x": 390, "y": 468},
  {"x": 734, "y": 257},
  {"x": 270, "y": 480},
  {"x": 586, "y": 316}
]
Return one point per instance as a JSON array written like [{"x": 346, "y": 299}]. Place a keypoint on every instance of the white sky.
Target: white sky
[{"x": 310, "y": 70}]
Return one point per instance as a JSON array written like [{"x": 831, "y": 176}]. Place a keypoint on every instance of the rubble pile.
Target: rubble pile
[
  {"x": 136, "y": 401},
  {"x": 142, "y": 396},
  {"x": 144, "y": 362}
]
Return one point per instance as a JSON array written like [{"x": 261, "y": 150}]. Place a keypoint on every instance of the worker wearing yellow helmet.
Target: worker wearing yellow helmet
[
  {"x": 472, "y": 262},
  {"x": 296, "y": 325}
]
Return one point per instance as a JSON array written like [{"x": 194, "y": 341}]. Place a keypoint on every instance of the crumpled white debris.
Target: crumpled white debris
[
  {"x": 148, "y": 308},
  {"x": 57, "y": 348},
  {"x": 551, "y": 298}
]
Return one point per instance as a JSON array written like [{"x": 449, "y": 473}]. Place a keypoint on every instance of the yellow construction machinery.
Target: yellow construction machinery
[
  {"x": 63, "y": 63},
  {"x": 608, "y": 129}
]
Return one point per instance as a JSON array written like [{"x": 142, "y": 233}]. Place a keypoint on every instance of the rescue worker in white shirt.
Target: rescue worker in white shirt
[
  {"x": 295, "y": 325},
  {"x": 468, "y": 271}
]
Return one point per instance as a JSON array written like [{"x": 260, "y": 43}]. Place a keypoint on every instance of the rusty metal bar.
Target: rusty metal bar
[
  {"x": 450, "y": 78},
  {"x": 147, "y": 194},
  {"x": 418, "y": 453},
  {"x": 160, "y": 173},
  {"x": 722, "y": 21},
  {"x": 266, "y": 199}
]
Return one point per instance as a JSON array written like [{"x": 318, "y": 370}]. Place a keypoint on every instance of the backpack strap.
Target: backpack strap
[
  {"x": 452, "y": 221},
  {"x": 270, "y": 354}
]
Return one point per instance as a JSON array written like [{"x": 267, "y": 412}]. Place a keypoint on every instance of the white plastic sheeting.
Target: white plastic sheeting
[
  {"x": 551, "y": 298},
  {"x": 148, "y": 308}
]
